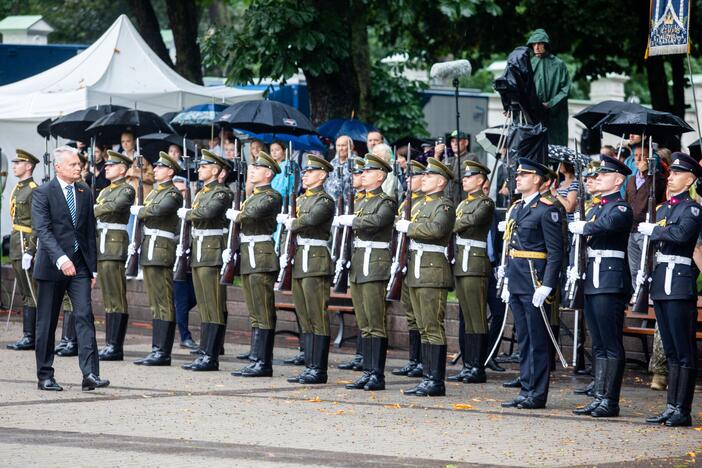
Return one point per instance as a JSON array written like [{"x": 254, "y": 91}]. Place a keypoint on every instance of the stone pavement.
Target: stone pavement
[{"x": 171, "y": 417}]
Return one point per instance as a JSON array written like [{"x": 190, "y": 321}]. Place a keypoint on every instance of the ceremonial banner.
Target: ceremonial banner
[{"x": 669, "y": 27}]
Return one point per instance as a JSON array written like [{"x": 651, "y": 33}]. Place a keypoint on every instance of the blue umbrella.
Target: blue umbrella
[
  {"x": 197, "y": 121},
  {"x": 299, "y": 142},
  {"x": 357, "y": 130}
]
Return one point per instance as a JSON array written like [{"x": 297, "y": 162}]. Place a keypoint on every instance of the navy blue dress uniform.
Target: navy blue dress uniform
[
  {"x": 674, "y": 293},
  {"x": 536, "y": 237},
  {"x": 607, "y": 290}
]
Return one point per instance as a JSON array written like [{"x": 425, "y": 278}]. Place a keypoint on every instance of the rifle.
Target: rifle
[
  {"x": 399, "y": 260},
  {"x": 231, "y": 268},
  {"x": 182, "y": 262},
  {"x": 91, "y": 165},
  {"x": 284, "y": 281},
  {"x": 343, "y": 264},
  {"x": 573, "y": 287},
  {"x": 47, "y": 162},
  {"x": 132, "y": 264},
  {"x": 640, "y": 298},
  {"x": 339, "y": 230},
  {"x": 286, "y": 198}
]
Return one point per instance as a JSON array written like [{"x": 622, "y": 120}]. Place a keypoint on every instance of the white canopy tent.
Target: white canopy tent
[{"x": 119, "y": 68}]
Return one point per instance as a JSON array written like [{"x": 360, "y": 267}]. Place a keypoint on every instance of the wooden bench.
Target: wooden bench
[{"x": 339, "y": 304}]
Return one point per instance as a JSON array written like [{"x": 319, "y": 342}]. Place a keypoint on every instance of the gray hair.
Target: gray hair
[
  {"x": 58, "y": 153},
  {"x": 382, "y": 151}
]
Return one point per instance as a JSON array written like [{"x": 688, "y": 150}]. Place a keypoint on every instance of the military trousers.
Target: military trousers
[
  {"x": 429, "y": 305},
  {"x": 113, "y": 285},
  {"x": 407, "y": 306},
  {"x": 370, "y": 308},
  {"x": 310, "y": 297},
  {"x": 677, "y": 322},
  {"x": 604, "y": 314},
  {"x": 534, "y": 347},
  {"x": 211, "y": 296},
  {"x": 472, "y": 296},
  {"x": 158, "y": 283},
  {"x": 260, "y": 299},
  {"x": 25, "y": 284}
]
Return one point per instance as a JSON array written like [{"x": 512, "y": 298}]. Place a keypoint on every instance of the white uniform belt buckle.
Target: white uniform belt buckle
[
  {"x": 306, "y": 244},
  {"x": 153, "y": 234},
  {"x": 252, "y": 241},
  {"x": 201, "y": 234},
  {"x": 104, "y": 227},
  {"x": 420, "y": 248},
  {"x": 368, "y": 247},
  {"x": 467, "y": 245},
  {"x": 671, "y": 261},
  {"x": 598, "y": 255}
]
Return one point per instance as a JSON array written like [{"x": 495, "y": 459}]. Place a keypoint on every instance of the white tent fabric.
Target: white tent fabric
[{"x": 119, "y": 68}]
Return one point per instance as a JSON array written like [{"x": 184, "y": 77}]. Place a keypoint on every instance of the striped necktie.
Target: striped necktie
[{"x": 71, "y": 201}]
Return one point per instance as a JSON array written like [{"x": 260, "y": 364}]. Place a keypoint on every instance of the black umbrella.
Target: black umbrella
[
  {"x": 414, "y": 141},
  {"x": 110, "y": 127},
  {"x": 646, "y": 121},
  {"x": 72, "y": 126},
  {"x": 44, "y": 128},
  {"x": 198, "y": 121},
  {"x": 152, "y": 143},
  {"x": 168, "y": 116},
  {"x": 695, "y": 149},
  {"x": 266, "y": 117},
  {"x": 591, "y": 116}
]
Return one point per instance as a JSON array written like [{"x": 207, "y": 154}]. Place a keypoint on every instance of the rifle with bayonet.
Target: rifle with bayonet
[
  {"x": 399, "y": 260},
  {"x": 231, "y": 268},
  {"x": 182, "y": 261},
  {"x": 289, "y": 247},
  {"x": 343, "y": 264},
  {"x": 641, "y": 293},
  {"x": 131, "y": 267}
]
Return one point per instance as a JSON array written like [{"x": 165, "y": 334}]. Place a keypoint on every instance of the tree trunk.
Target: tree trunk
[
  {"x": 332, "y": 95},
  {"x": 183, "y": 15},
  {"x": 678, "y": 67},
  {"x": 360, "y": 54},
  {"x": 658, "y": 84},
  {"x": 147, "y": 24}
]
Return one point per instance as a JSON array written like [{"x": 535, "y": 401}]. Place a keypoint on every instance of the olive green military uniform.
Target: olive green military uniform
[
  {"x": 23, "y": 241},
  {"x": 429, "y": 278},
  {"x": 404, "y": 295},
  {"x": 112, "y": 214},
  {"x": 311, "y": 273}
]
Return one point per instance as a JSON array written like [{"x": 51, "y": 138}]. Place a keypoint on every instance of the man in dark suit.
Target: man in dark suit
[{"x": 63, "y": 220}]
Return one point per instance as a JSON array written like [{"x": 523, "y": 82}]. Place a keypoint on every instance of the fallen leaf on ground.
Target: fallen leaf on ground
[
  {"x": 314, "y": 400},
  {"x": 395, "y": 406},
  {"x": 462, "y": 406}
]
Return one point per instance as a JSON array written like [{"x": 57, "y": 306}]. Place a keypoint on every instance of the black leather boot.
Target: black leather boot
[
  {"x": 673, "y": 373},
  {"x": 307, "y": 342},
  {"x": 204, "y": 331},
  {"x": 477, "y": 344},
  {"x": 468, "y": 361},
  {"x": 69, "y": 343},
  {"x": 163, "y": 336},
  {"x": 215, "y": 339},
  {"x": 514, "y": 383},
  {"x": 263, "y": 367},
  {"x": 116, "y": 331},
  {"x": 494, "y": 366},
  {"x": 247, "y": 355},
  {"x": 320, "y": 361},
  {"x": 683, "y": 401},
  {"x": 599, "y": 388},
  {"x": 357, "y": 362},
  {"x": 367, "y": 360},
  {"x": 425, "y": 366},
  {"x": 609, "y": 407},
  {"x": 437, "y": 372},
  {"x": 414, "y": 350},
  {"x": 299, "y": 358},
  {"x": 29, "y": 324},
  {"x": 379, "y": 350},
  {"x": 588, "y": 389}
]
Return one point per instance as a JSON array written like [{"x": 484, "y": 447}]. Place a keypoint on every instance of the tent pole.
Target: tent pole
[{"x": 694, "y": 97}]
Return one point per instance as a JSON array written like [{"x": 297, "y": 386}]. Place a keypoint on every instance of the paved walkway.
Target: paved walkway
[{"x": 171, "y": 417}]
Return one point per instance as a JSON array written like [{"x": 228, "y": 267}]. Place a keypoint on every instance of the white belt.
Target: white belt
[
  {"x": 368, "y": 246},
  {"x": 467, "y": 244},
  {"x": 671, "y": 260},
  {"x": 306, "y": 244},
  {"x": 154, "y": 233},
  {"x": 252, "y": 241},
  {"x": 598, "y": 255},
  {"x": 420, "y": 248},
  {"x": 201, "y": 234},
  {"x": 104, "y": 227}
]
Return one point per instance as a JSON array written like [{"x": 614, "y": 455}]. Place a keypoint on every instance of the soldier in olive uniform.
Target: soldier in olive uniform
[
  {"x": 112, "y": 214},
  {"x": 23, "y": 245},
  {"x": 372, "y": 224},
  {"x": 413, "y": 368},
  {"x": 259, "y": 264},
  {"x": 157, "y": 257},
  {"x": 312, "y": 268},
  {"x": 471, "y": 269},
  {"x": 208, "y": 242},
  {"x": 429, "y": 274}
]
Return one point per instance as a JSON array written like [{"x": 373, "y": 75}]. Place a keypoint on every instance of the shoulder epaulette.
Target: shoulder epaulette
[
  {"x": 33, "y": 184},
  {"x": 546, "y": 201}
]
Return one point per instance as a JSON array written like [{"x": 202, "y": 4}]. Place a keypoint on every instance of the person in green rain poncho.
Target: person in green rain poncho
[{"x": 552, "y": 86}]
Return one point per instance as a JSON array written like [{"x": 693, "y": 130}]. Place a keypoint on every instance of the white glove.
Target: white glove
[
  {"x": 95, "y": 206},
  {"x": 179, "y": 250},
  {"x": 135, "y": 209},
  {"x": 283, "y": 261},
  {"x": 577, "y": 227},
  {"x": 501, "y": 226},
  {"x": 335, "y": 222},
  {"x": 131, "y": 250},
  {"x": 27, "y": 261},
  {"x": 540, "y": 295},
  {"x": 226, "y": 255},
  {"x": 640, "y": 278},
  {"x": 182, "y": 212},
  {"x": 646, "y": 228},
  {"x": 281, "y": 217},
  {"x": 232, "y": 214},
  {"x": 346, "y": 220},
  {"x": 573, "y": 275},
  {"x": 402, "y": 225},
  {"x": 505, "y": 292},
  {"x": 288, "y": 223},
  {"x": 500, "y": 272}
]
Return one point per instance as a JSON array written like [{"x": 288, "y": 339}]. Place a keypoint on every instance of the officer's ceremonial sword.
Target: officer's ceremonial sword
[
  {"x": 26, "y": 272},
  {"x": 532, "y": 271},
  {"x": 12, "y": 302}
]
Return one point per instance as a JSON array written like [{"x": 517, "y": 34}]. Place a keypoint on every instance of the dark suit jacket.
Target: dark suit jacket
[{"x": 55, "y": 232}]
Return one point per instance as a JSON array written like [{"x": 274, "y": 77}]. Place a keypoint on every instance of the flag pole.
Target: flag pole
[{"x": 694, "y": 97}]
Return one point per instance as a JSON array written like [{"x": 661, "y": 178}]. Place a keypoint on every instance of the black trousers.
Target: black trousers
[
  {"x": 184, "y": 300},
  {"x": 604, "y": 314},
  {"x": 497, "y": 311},
  {"x": 49, "y": 299},
  {"x": 677, "y": 322},
  {"x": 534, "y": 347}
]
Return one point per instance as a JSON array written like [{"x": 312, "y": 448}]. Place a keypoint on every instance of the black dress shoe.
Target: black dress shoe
[
  {"x": 418, "y": 371},
  {"x": 206, "y": 363},
  {"x": 189, "y": 365},
  {"x": 197, "y": 351},
  {"x": 375, "y": 383},
  {"x": 189, "y": 344},
  {"x": 413, "y": 390},
  {"x": 314, "y": 376},
  {"x": 513, "y": 403},
  {"x": 585, "y": 390},
  {"x": 155, "y": 358},
  {"x": 49, "y": 385},
  {"x": 360, "y": 382},
  {"x": 530, "y": 403},
  {"x": 25, "y": 343},
  {"x": 110, "y": 353},
  {"x": 514, "y": 383},
  {"x": 460, "y": 376},
  {"x": 494, "y": 366},
  {"x": 663, "y": 417},
  {"x": 70, "y": 349},
  {"x": 60, "y": 345},
  {"x": 432, "y": 388},
  {"x": 92, "y": 381},
  {"x": 255, "y": 369}
]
